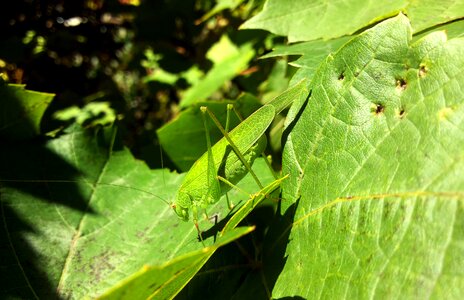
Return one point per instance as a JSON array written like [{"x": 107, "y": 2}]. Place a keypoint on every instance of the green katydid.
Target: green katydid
[{"x": 229, "y": 160}]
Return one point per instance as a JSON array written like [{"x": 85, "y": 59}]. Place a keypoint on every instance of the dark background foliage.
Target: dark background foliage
[{"x": 87, "y": 51}]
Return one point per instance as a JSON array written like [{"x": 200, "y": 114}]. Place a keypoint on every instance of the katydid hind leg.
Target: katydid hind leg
[
  {"x": 234, "y": 146},
  {"x": 212, "y": 180},
  {"x": 227, "y": 128},
  {"x": 229, "y": 203},
  {"x": 229, "y": 108}
]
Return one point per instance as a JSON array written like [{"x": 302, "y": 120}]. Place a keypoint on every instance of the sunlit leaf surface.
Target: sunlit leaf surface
[
  {"x": 375, "y": 163},
  {"x": 304, "y": 20}
]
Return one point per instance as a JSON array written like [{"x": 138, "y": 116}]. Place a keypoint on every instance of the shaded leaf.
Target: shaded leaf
[
  {"x": 220, "y": 6},
  {"x": 22, "y": 111},
  {"x": 276, "y": 82}
]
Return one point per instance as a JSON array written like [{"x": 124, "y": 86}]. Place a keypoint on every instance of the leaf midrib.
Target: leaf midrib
[{"x": 77, "y": 233}]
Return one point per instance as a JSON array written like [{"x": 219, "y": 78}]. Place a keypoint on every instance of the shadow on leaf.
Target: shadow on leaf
[
  {"x": 275, "y": 244},
  {"x": 35, "y": 179}
]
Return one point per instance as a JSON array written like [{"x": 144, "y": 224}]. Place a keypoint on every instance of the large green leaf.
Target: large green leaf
[
  {"x": 305, "y": 20},
  {"x": 376, "y": 166},
  {"x": 77, "y": 220},
  {"x": 427, "y": 13}
]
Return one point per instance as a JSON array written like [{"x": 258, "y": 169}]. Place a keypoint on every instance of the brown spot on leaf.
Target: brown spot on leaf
[
  {"x": 379, "y": 108},
  {"x": 422, "y": 71},
  {"x": 401, "y": 84},
  {"x": 401, "y": 113}
]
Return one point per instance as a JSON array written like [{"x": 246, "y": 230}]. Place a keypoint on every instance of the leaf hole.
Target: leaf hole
[
  {"x": 423, "y": 70},
  {"x": 401, "y": 84},
  {"x": 341, "y": 76},
  {"x": 378, "y": 108},
  {"x": 401, "y": 113}
]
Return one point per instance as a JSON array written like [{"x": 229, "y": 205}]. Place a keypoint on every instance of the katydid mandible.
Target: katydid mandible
[{"x": 229, "y": 160}]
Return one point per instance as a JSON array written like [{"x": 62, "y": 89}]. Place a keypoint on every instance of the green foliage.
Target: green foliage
[
  {"x": 228, "y": 63},
  {"x": 369, "y": 203},
  {"x": 377, "y": 153},
  {"x": 92, "y": 114},
  {"x": 22, "y": 111},
  {"x": 328, "y": 21}
]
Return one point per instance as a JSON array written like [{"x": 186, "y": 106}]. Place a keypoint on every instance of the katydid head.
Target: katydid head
[
  {"x": 182, "y": 212},
  {"x": 179, "y": 208}
]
